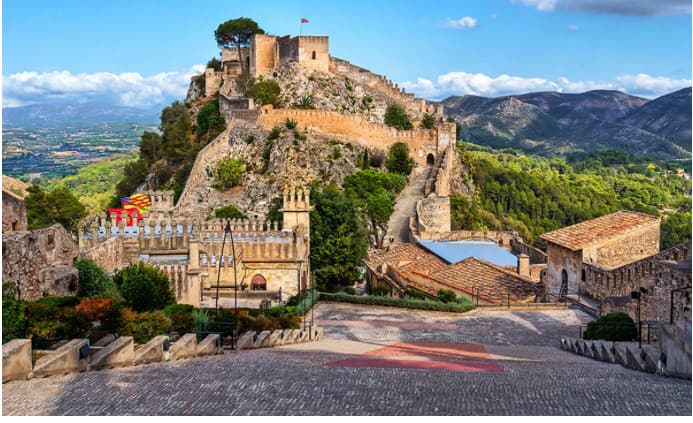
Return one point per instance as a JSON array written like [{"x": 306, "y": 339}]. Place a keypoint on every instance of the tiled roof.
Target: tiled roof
[
  {"x": 15, "y": 187},
  {"x": 493, "y": 282},
  {"x": 426, "y": 272},
  {"x": 578, "y": 236},
  {"x": 406, "y": 257}
]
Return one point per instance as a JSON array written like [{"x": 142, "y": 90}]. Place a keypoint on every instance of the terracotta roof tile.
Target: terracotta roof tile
[
  {"x": 406, "y": 257},
  {"x": 578, "y": 236}
]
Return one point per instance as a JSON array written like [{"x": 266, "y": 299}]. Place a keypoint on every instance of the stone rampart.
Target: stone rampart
[
  {"x": 356, "y": 128},
  {"x": 415, "y": 106},
  {"x": 13, "y": 213},
  {"x": 16, "y": 360},
  {"x": 40, "y": 262}
]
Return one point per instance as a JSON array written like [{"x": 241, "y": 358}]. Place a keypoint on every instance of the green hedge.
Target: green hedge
[{"x": 397, "y": 302}]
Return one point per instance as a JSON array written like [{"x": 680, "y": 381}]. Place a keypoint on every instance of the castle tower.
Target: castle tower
[{"x": 296, "y": 210}]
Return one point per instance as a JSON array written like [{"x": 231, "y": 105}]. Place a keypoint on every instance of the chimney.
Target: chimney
[{"x": 523, "y": 265}]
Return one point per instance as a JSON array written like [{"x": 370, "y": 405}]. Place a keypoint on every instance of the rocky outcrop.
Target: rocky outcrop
[{"x": 39, "y": 262}]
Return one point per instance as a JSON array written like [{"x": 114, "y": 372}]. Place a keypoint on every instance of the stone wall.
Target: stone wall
[
  {"x": 415, "y": 107},
  {"x": 433, "y": 214},
  {"x": 263, "y": 54},
  {"x": 108, "y": 255},
  {"x": 314, "y": 52},
  {"x": 212, "y": 82},
  {"x": 631, "y": 246},
  {"x": 561, "y": 259},
  {"x": 613, "y": 286},
  {"x": 13, "y": 213},
  {"x": 40, "y": 262},
  {"x": 355, "y": 128}
]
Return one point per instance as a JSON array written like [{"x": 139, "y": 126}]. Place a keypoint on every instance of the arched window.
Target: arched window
[
  {"x": 258, "y": 283},
  {"x": 314, "y": 56}
]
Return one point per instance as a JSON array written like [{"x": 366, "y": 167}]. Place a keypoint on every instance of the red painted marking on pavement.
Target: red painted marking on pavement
[
  {"x": 387, "y": 323},
  {"x": 433, "y": 349},
  {"x": 456, "y": 366}
]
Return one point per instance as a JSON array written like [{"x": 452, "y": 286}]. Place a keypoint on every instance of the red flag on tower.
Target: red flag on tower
[{"x": 304, "y": 20}]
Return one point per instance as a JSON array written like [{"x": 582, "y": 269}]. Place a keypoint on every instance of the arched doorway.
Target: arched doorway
[
  {"x": 258, "y": 283},
  {"x": 314, "y": 56},
  {"x": 430, "y": 159},
  {"x": 564, "y": 285}
]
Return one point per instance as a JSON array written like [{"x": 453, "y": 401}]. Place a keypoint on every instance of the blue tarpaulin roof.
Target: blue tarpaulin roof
[{"x": 454, "y": 251}]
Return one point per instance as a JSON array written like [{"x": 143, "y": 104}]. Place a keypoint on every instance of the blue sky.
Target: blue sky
[{"x": 142, "y": 53}]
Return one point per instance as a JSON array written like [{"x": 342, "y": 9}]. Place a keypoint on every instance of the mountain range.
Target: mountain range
[
  {"x": 552, "y": 122},
  {"x": 73, "y": 115}
]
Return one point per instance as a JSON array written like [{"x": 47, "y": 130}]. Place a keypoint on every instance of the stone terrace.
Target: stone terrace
[{"x": 376, "y": 361}]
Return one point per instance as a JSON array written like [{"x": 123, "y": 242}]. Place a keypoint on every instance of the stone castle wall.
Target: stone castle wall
[
  {"x": 263, "y": 54},
  {"x": 40, "y": 262},
  {"x": 354, "y": 128},
  {"x": 601, "y": 283},
  {"x": 627, "y": 248},
  {"x": 212, "y": 82},
  {"x": 13, "y": 213}
]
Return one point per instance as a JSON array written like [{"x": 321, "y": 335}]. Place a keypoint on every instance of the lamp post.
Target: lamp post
[
  {"x": 637, "y": 295},
  {"x": 227, "y": 229}
]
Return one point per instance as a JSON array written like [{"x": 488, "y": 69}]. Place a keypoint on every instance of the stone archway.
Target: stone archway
[
  {"x": 430, "y": 159},
  {"x": 258, "y": 283}
]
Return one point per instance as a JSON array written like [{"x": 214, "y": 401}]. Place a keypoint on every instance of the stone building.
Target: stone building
[
  {"x": 607, "y": 258},
  {"x": 609, "y": 242},
  {"x": 411, "y": 266},
  {"x": 13, "y": 207},
  {"x": 269, "y": 263}
]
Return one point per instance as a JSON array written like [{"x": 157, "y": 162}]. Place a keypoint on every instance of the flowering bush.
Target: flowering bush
[{"x": 95, "y": 309}]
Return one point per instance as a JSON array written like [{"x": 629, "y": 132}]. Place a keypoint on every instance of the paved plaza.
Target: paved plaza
[{"x": 376, "y": 360}]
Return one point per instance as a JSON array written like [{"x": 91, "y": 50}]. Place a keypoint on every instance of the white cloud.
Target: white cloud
[
  {"x": 462, "y": 83},
  {"x": 462, "y": 23},
  {"x": 573, "y": 28},
  {"x": 127, "y": 88},
  {"x": 617, "y": 7},
  {"x": 543, "y": 5}
]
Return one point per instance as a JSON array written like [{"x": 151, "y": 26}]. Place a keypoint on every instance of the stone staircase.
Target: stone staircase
[
  {"x": 405, "y": 206},
  {"x": 627, "y": 354}
]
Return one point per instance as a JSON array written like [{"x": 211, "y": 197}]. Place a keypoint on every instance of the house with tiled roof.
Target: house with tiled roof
[
  {"x": 608, "y": 242},
  {"x": 412, "y": 267}
]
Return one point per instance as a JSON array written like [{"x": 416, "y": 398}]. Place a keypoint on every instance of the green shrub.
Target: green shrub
[
  {"x": 228, "y": 212},
  {"x": 249, "y": 139},
  {"x": 58, "y": 302},
  {"x": 51, "y": 320},
  {"x": 274, "y": 133},
  {"x": 145, "y": 325},
  {"x": 446, "y": 296},
  {"x": 349, "y": 290},
  {"x": 307, "y": 302},
  {"x": 336, "y": 153},
  {"x": 398, "y": 160},
  {"x": 299, "y": 136},
  {"x": 397, "y": 302},
  {"x": 177, "y": 308},
  {"x": 13, "y": 314},
  {"x": 290, "y": 123},
  {"x": 182, "y": 318},
  {"x": 200, "y": 320},
  {"x": 228, "y": 172},
  {"x": 612, "y": 327},
  {"x": 144, "y": 287},
  {"x": 304, "y": 102},
  {"x": 265, "y": 92},
  {"x": 414, "y": 294},
  {"x": 93, "y": 280},
  {"x": 380, "y": 291},
  {"x": 428, "y": 122},
  {"x": 397, "y": 117}
]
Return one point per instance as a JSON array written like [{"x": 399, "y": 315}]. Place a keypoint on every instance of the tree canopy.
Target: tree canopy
[
  {"x": 265, "y": 92},
  {"x": 44, "y": 209},
  {"x": 398, "y": 160},
  {"x": 237, "y": 33},
  {"x": 397, "y": 117}
]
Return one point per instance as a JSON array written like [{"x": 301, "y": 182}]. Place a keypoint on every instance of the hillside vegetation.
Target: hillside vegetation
[{"x": 534, "y": 195}]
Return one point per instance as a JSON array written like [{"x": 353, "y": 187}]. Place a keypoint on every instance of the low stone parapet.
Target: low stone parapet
[
  {"x": 247, "y": 341},
  {"x": 71, "y": 357},
  {"x": 118, "y": 353},
  {"x": 16, "y": 360},
  {"x": 262, "y": 340},
  {"x": 104, "y": 341},
  {"x": 210, "y": 345},
  {"x": 276, "y": 339},
  {"x": 153, "y": 351},
  {"x": 185, "y": 347}
]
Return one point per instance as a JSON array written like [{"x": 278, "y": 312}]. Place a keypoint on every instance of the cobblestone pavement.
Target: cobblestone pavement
[{"x": 507, "y": 363}]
